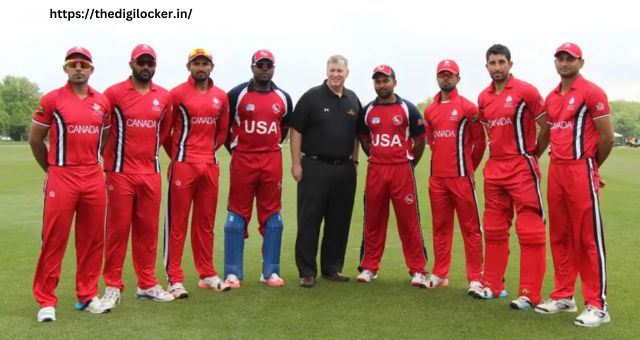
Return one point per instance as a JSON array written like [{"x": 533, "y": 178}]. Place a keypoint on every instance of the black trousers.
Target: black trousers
[{"x": 326, "y": 191}]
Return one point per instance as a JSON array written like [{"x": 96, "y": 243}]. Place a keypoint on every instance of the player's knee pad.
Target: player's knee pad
[
  {"x": 530, "y": 229},
  {"x": 271, "y": 245},
  {"x": 234, "y": 228}
]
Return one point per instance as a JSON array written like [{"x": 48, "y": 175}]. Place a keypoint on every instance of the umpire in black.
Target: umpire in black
[{"x": 324, "y": 154}]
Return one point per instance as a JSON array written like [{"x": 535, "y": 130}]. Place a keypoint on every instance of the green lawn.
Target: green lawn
[{"x": 387, "y": 308}]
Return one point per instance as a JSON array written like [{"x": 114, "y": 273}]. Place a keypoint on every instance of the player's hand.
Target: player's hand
[
  {"x": 296, "y": 172},
  {"x": 602, "y": 183}
]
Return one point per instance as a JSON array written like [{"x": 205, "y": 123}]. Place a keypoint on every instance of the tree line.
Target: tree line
[{"x": 19, "y": 98}]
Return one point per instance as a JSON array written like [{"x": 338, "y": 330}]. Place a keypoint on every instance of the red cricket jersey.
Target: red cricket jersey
[
  {"x": 76, "y": 125},
  {"x": 456, "y": 138},
  {"x": 573, "y": 133},
  {"x": 510, "y": 118},
  {"x": 257, "y": 118},
  {"x": 134, "y": 139},
  {"x": 392, "y": 128},
  {"x": 199, "y": 122}
]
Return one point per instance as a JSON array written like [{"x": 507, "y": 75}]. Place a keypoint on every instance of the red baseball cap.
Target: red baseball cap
[
  {"x": 262, "y": 54},
  {"x": 198, "y": 52},
  {"x": 384, "y": 69},
  {"x": 448, "y": 65},
  {"x": 570, "y": 48},
  {"x": 141, "y": 50},
  {"x": 79, "y": 50}
]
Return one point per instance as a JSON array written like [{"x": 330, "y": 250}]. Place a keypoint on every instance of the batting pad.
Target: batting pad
[
  {"x": 271, "y": 245},
  {"x": 233, "y": 244}
]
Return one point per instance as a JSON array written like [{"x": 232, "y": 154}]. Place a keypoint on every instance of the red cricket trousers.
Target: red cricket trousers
[
  {"x": 69, "y": 191},
  {"x": 395, "y": 183},
  {"x": 259, "y": 175},
  {"x": 575, "y": 223},
  {"x": 449, "y": 194},
  {"x": 518, "y": 187},
  {"x": 133, "y": 205},
  {"x": 197, "y": 184}
]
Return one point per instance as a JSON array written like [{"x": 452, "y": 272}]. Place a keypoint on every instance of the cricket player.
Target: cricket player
[
  {"x": 259, "y": 113},
  {"x": 581, "y": 140},
  {"x": 457, "y": 142},
  {"x": 73, "y": 117},
  {"x": 392, "y": 134},
  {"x": 133, "y": 178},
  {"x": 199, "y": 120}
]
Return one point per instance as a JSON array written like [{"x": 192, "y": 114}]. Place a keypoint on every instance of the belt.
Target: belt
[{"x": 330, "y": 160}]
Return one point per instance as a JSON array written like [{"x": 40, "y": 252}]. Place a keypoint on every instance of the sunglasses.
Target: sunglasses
[
  {"x": 73, "y": 63},
  {"x": 263, "y": 65},
  {"x": 145, "y": 62}
]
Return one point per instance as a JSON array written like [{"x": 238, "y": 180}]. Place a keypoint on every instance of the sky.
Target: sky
[{"x": 411, "y": 36}]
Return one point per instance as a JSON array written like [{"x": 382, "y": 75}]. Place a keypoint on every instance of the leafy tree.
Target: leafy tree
[
  {"x": 626, "y": 117},
  {"x": 423, "y": 104},
  {"x": 18, "y": 99}
]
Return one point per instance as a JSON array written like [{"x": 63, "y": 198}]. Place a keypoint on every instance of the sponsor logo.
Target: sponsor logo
[
  {"x": 444, "y": 134},
  {"x": 408, "y": 199},
  {"x": 83, "y": 129},
  {"x": 249, "y": 107},
  {"x": 260, "y": 127},
  {"x": 562, "y": 125},
  {"x": 203, "y": 120},
  {"x": 385, "y": 140},
  {"x": 600, "y": 106},
  {"x": 326, "y": 109},
  {"x": 351, "y": 113},
  {"x": 397, "y": 120},
  {"x": 375, "y": 120},
  {"x": 178, "y": 182},
  {"x": 143, "y": 123},
  {"x": 276, "y": 108},
  {"x": 52, "y": 193},
  {"x": 502, "y": 121}
]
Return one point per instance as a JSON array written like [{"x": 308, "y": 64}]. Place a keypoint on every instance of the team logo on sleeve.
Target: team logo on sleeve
[
  {"x": 249, "y": 107},
  {"x": 600, "y": 106},
  {"x": 40, "y": 110},
  {"x": 52, "y": 194},
  {"x": 375, "y": 120},
  {"x": 397, "y": 120},
  {"x": 276, "y": 108}
]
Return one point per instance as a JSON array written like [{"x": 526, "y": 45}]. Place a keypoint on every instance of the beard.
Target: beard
[
  {"x": 447, "y": 88},
  {"x": 143, "y": 77}
]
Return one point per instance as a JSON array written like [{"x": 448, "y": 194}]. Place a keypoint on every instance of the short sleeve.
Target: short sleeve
[{"x": 43, "y": 114}]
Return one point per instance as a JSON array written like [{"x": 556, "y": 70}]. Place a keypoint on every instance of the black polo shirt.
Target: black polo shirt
[{"x": 327, "y": 122}]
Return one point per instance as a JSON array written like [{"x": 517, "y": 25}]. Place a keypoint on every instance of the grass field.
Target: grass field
[{"x": 387, "y": 308}]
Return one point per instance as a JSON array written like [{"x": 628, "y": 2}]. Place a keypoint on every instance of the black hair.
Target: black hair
[{"x": 499, "y": 49}]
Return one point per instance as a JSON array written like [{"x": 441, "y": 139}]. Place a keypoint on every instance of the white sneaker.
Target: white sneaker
[
  {"x": 213, "y": 282},
  {"x": 592, "y": 317},
  {"x": 522, "y": 303},
  {"x": 436, "y": 281},
  {"x": 475, "y": 288},
  {"x": 232, "y": 281},
  {"x": 552, "y": 306},
  {"x": 46, "y": 314},
  {"x": 487, "y": 294},
  {"x": 92, "y": 306},
  {"x": 111, "y": 297},
  {"x": 178, "y": 291},
  {"x": 274, "y": 280},
  {"x": 155, "y": 293},
  {"x": 366, "y": 276},
  {"x": 419, "y": 280}
]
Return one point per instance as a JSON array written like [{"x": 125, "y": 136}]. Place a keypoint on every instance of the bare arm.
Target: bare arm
[
  {"x": 543, "y": 135},
  {"x": 605, "y": 143},
  {"x": 296, "y": 154},
  {"x": 418, "y": 150},
  {"x": 38, "y": 147}
]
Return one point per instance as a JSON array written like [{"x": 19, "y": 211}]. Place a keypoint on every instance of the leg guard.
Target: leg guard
[
  {"x": 233, "y": 244},
  {"x": 271, "y": 245}
]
